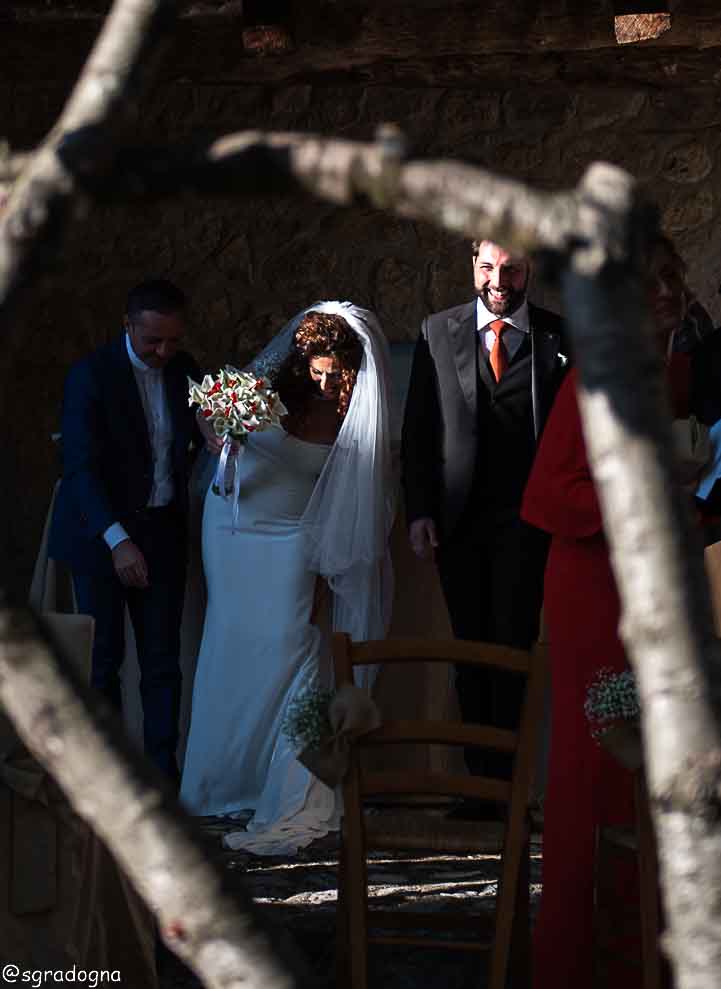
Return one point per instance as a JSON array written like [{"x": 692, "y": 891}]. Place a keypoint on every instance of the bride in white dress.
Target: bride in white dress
[{"x": 314, "y": 516}]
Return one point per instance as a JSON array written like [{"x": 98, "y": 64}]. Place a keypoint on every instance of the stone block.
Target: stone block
[
  {"x": 464, "y": 114},
  {"x": 687, "y": 163},
  {"x": 541, "y": 110},
  {"x": 398, "y": 298},
  {"x": 234, "y": 259},
  {"x": 532, "y": 160},
  {"x": 602, "y": 107},
  {"x": 688, "y": 213},
  {"x": 297, "y": 269},
  {"x": 678, "y": 108},
  {"x": 333, "y": 109},
  {"x": 290, "y": 101},
  {"x": 449, "y": 279},
  {"x": 212, "y": 108},
  {"x": 636, "y": 153},
  {"x": 414, "y": 110}
]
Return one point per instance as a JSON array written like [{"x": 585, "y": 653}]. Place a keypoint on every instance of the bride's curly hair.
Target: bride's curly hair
[{"x": 319, "y": 335}]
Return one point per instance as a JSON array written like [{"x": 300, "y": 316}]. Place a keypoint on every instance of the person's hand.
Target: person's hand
[
  {"x": 424, "y": 538},
  {"x": 130, "y": 565},
  {"x": 213, "y": 442}
]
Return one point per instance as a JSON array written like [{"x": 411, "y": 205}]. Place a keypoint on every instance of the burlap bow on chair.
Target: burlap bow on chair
[{"x": 351, "y": 713}]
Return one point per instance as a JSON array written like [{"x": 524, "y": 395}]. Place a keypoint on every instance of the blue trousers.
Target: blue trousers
[{"x": 156, "y": 613}]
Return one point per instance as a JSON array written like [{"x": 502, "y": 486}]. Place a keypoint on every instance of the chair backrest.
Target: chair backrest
[
  {"x": 75, "y": 635},
  {"x": 348, "y": 655}
]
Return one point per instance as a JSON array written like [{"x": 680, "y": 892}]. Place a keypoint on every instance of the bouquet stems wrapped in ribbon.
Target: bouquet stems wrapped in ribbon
[{"x": 236, "y": 404}]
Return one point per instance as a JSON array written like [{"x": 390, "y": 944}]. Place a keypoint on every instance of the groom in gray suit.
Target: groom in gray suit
[{"x": 483, "y": 379}]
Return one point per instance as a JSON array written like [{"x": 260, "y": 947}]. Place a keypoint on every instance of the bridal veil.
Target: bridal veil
[{"x": 348, "y": 519}]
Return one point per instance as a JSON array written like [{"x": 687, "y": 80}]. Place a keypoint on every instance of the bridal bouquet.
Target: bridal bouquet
[
  {"x": 611, "y": 697},
  {"x": 236, "y": 404}
]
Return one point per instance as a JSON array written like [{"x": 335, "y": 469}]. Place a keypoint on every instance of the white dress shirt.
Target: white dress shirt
[
  {"x": 510, "y": 340},
  {"x": 160, "y": 431}
]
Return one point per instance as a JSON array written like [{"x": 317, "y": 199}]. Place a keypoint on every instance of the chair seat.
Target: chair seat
[{"x": 414, "y": 829}]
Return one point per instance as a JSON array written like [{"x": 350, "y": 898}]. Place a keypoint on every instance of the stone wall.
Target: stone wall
[{"x": 251, "y": 263}]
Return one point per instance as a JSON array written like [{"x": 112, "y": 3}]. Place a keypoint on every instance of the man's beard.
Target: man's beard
[{"x": 503, "y": 307}]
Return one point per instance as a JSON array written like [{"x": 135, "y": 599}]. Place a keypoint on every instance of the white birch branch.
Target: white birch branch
[
  {"x": 462, "y": 199},
  {"x": 458, "y": 197},
  {"x": 124, "y": 801},
  {"x": 666, "y": 621},
  {"x": 46, "y": 191}
]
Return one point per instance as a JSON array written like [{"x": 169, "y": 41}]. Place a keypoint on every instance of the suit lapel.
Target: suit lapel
[
  {"x": 544, "y": 349},
  {"x": 545, "y": 352},
  {"x": 464, "y": 343}
]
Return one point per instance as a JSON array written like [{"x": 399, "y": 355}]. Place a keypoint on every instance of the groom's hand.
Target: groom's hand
[
  {"x": 424, "y": 538},
  {"x": 130, "y": 565}
]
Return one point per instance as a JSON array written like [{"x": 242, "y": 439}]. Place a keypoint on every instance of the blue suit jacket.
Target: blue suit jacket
[{"x": 107, "y": 458}]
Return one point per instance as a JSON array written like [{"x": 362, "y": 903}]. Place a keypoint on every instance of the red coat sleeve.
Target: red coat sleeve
[{"x": 560, "y": 497}]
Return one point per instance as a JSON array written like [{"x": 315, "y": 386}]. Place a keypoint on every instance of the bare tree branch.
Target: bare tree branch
[
  {"x": 43, "y": 195},
  {"x": 459, "y": 198},
  {"x": 666, "y": 618},
  {"x": 11, "y": 165},
  {"x": 121, "y": 798}
]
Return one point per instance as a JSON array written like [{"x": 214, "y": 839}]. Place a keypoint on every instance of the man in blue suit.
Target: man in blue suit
[{"x": 121, "y": 510}]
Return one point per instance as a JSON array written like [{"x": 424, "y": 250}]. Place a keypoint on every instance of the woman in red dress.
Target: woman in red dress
[{"x": 586, "y": 786}]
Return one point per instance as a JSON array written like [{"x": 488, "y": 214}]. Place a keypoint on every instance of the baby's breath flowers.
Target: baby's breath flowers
[
  {"x": 610, "y": 697},
  {"x": 306, "y": 722}
]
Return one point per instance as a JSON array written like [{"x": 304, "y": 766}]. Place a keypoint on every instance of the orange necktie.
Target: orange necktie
[{"x": 498, "y": 351}]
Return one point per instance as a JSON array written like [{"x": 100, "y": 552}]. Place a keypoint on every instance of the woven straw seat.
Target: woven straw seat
[{"x": 429, "y": 831}]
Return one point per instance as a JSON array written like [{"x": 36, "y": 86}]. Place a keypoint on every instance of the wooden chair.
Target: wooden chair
[
  {"x": 33, "y": 840},
  {"x": 508, "y": 931},
  {"x": 612, "y": 919},
  {"x": 75, "y": 634}
]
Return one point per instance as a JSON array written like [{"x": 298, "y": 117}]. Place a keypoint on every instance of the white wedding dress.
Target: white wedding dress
[{"x": 258, "y": 651}]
